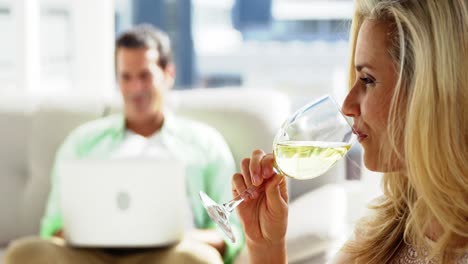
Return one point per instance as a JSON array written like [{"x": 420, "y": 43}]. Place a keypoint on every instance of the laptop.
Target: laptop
[{"x": 122, "y": 202}]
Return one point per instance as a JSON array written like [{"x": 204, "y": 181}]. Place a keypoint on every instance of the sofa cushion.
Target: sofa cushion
[{"x": 2, "y": 252}]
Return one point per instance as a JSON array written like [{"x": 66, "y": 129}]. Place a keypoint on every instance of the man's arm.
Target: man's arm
[
  {"x": 52, "y": 222},
  {"x": 58, "y": 233},
  {"x": 210, "y": 237}
]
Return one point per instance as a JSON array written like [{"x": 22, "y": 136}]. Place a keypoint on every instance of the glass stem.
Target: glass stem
[{"x": 231, "y": 205}]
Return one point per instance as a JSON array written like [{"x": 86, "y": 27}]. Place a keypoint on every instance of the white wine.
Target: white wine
[{"x": 307, "y": 159}]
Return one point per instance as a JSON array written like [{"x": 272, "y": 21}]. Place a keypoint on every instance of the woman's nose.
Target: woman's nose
[{"x": 351, "y": 105}]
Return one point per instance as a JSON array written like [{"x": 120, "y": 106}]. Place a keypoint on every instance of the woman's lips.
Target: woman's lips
[{"x": 360, "y": 135}]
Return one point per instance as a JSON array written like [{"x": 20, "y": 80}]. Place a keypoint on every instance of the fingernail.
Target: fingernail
[{"x": 256, "y": 179}]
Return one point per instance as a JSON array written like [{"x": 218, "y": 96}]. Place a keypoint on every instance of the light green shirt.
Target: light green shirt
[{"x": 209, "y": 161}]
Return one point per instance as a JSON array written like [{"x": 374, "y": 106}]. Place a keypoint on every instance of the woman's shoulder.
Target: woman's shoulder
[
  {"x": 407, "y": 255},
  {"x": 410, "y": 255}
]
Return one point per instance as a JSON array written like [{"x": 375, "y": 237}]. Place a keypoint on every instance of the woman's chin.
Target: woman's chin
[
  {"x": 372, "y": 164},
  {"x": 376, "y": 166}
]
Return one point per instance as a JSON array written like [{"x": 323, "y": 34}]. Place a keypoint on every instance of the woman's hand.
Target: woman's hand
[{"x": 264, "y": 213}]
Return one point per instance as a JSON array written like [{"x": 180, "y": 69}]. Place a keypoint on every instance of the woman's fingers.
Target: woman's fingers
[
  {"x": 284, "y": 190},
  {"x": 256, "y": 167},
  {"x": 267, "y": 164},
  {"x": 276, "y": 192},
  {"x": 238, "y": 184},
  {"x": 245, "y": 170},
  {"x": 254, "y": 171}
]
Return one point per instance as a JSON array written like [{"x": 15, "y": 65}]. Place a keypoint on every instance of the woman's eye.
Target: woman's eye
[{"x": 366, "y": 80}]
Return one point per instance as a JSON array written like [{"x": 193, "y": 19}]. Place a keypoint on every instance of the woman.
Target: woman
[{"x": 409, "y": 101}]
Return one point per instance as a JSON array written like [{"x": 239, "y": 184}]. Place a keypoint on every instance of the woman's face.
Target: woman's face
[{"x": 368, "y": 101}]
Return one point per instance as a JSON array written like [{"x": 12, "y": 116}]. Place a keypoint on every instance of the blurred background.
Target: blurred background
[
  {"x": 54, "y": 47},
  {"x": 299, "y": 48}
]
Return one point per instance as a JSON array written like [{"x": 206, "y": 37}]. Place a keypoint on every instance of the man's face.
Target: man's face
[{"x": 142, "y": 82}]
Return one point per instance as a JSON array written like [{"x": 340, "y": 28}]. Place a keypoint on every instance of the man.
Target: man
[{"x": 145, "y": 74}]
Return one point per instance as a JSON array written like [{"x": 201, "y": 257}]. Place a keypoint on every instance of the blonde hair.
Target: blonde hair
[{"x": 429, "y": 47}]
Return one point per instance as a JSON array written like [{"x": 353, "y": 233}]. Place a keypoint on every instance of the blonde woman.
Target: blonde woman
[{"x": 409, "y": 101}]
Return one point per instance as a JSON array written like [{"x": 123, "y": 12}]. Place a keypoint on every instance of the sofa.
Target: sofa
[{"x": 32, "y": 128}]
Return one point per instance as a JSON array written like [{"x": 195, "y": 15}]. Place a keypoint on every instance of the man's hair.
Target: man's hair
[{"x": 146, "y": 36}]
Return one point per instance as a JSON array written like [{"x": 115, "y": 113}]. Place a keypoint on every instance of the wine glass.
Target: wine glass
[{"x": 307, "y": 145}]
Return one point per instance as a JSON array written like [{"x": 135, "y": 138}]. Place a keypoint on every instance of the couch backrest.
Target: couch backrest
[
  {"x": 248, "y": 119},
  {"x": 32, "y": 130},
  {"x": 14, "y": 135}
]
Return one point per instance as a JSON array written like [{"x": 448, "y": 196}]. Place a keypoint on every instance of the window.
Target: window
[
  {"x": 7, "y": 49},
  {"x": 52, "y": 47},
  {"x": 297, "y": 46}
]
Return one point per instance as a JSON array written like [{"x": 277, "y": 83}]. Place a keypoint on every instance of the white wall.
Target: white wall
[
  {"x": 93, "y": 27},
  {"x": 56, "y": 47}
]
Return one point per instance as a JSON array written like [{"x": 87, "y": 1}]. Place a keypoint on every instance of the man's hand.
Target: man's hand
[
  {"x": 210, "y": 237},
  {"x": 58, "y": 233}
]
